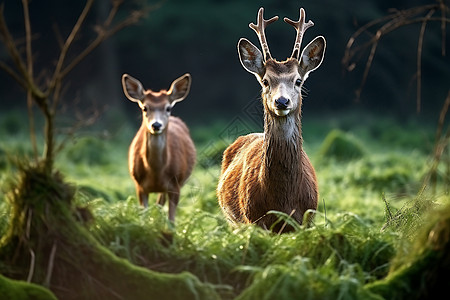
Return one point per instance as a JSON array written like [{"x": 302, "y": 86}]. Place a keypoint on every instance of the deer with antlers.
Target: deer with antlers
[
  {"x": 270, "y": 171},
  {"x": 162, "y": 154}
]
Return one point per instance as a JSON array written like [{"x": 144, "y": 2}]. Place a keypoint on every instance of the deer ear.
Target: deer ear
[
  {"x": 251, "y": 58},
  {"x": 312, "y": 56},
  {"x": 180, "y": 88},
  {"x": 132, "y": 88}
]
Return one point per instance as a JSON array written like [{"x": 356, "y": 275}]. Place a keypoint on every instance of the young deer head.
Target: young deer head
[
  {"x": 156, "y": 106},
  {"x": 282, "y": 82}
]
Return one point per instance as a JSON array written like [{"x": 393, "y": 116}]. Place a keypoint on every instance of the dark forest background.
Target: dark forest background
[{"x": 200, "y": 37}]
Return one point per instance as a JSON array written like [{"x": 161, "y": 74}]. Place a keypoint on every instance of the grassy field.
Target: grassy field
[{"x": 370, "y": 171}]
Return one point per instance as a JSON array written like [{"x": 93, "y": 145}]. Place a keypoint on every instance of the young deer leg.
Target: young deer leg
[
  {"x": 174, "y": 197},
  {"x": 161, "y": 199},
  {"x": 143, "y": 197}
]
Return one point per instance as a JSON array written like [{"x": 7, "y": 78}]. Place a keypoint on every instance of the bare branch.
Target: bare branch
[
  {"x": 443, "y": 9},
  {"x": 368, "y": 65},
  {"x": 419, "y": 59},
  {"x": 113, "y": 12},
  {"x": 13, "y": 74},
  {"x": 57, "y": 74},
  {"x": 23, "y": 77},
  {"x": 58, "y": 36},
  {"x": 32, "y": 266},
  {"x": 389, "y": 23},
  {"x": 102, "y": 35},
  {"x": 21, "y": 70},
  {"x": 51, "y": 262},
  {"x": 442, "y": 116},
  {"x": 26, "y": 17},
  {"x": 11, "y": 46}
]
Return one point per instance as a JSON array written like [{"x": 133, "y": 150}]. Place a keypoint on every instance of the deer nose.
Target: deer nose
[
  {"x": 282, "y": 103},
  {"x": 156, "y": 126}
]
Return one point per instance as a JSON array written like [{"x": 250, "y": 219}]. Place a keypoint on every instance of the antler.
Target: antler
[
  {"x": 301, "y": 27},
  {"x": 259, "y": 29}
]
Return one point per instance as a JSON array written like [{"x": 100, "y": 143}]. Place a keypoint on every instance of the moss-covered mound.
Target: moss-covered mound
[
  {"x": 45, "y": 242},
  {"x": 21, "y": 290},
  {"x": 340, "y": 146},
  {"x": 421, "y": 270}
]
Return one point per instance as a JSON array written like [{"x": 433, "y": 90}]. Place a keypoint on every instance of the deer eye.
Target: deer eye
[
  {"x": 265, "y": 82},
  {"x": 298, "y": 82},
  {"x": 169, "y": 109},
  {"x": 145, "y": 109}
]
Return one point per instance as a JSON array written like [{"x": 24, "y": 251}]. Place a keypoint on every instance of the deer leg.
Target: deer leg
[
  {"x": 174, "y": 197},
  {"x": 161, "y": 199},
  {"x": 143, "y": 197}
]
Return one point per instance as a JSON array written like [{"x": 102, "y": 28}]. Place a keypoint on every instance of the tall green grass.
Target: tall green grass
[{"x": 367, "y": 211}]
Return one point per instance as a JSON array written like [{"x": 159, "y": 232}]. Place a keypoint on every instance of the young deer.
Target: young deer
[
  {"x": 270, "y": 171},
  {"x": 162, "y": 154}
]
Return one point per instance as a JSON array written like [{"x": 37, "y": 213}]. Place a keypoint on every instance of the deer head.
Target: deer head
[
  {"x": 281, "y": 82},
  {"x": 156, "y": 106}
]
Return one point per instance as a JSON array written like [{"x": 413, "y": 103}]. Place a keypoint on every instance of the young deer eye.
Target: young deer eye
[
  {"x": 145, "y": 109},
  {"x": 168, "y": 109},
  {"x": 298, "y": 82},
  {"x": 265, "y": 82}
]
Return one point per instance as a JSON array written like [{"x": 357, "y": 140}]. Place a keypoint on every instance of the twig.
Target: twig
[
  {"x": 55, "y": 83},
  {"x": 393, "y": 21},
  {"x": 419, "y": 59},
  {"x": 440, "y": 144},
  {"x": 101, "y": 36},
  {"x": 113, "y": 12},
  {"x": 70, "y": 133},
  {"x": 26, "y": 17},
  {"x": 59, "y": 38},
  {"x": 13, "y": 74},
  {"x": 32, "y": 266},
  {"x": 443, "y": 9},
  {"x": 368, "y": 65},
  {"x": 442, "y": 116},
  {"x": 10, "y": 45},
  {"x": 51, "y": 262}
]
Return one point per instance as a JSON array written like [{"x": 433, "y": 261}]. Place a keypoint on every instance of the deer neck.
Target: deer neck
[
  {"x": 282, "y": 154},
  {"x": 156, "y": 150}
]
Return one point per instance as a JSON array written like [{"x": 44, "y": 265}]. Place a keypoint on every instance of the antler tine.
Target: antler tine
[
  {"x": 259, "y": 29},
  {"x": 301, "y": 27}
]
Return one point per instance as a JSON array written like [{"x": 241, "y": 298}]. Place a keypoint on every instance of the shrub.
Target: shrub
[
  {"x": 12, "y": 123},
  {"x": 386, "y": 173},
  {"x": 89, "y": 150},
  {"x": 340, "y": 146}
]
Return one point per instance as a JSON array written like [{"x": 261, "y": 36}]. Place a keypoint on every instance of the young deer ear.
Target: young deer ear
[
  {"x": 312, "y": 56},
  {"x": 132, "y": 88},
  {"x": 180, "y": 88},
  {"x": 251, "y": 58}
]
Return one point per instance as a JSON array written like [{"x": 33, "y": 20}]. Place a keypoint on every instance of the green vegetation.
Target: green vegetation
[
  {"x": 20, "y": 290},
  {"x": 340, "y": 146},
  {"x": 372, "y": 234}
]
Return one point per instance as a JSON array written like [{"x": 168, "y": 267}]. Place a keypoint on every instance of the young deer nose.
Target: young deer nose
[
  {"x": 282, "y": 103},
  {"x": 156, "y": 126}
]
